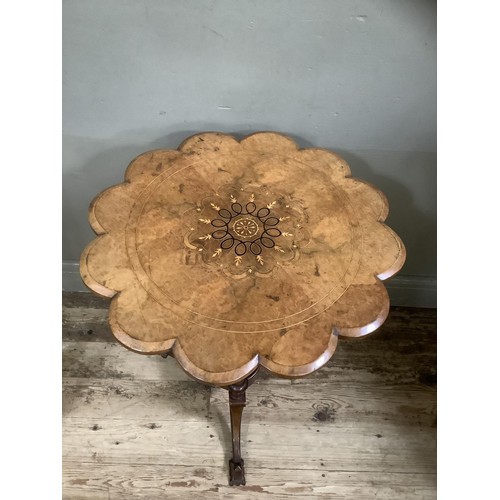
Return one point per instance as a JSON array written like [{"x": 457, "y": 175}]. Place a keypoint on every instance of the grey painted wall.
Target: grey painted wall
[{"x": 358, "y": 77}]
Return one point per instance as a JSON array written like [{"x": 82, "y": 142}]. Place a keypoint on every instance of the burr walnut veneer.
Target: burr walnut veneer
[{"x": 233, "y": 255}]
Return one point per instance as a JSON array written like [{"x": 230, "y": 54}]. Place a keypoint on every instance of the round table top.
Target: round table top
[{"x": 228, "y": 254}]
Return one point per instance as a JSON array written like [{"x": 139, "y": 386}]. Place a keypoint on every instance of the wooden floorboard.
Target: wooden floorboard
[
  {"x": 125, "y": 482},
  {"x": 362, "y": 427}
]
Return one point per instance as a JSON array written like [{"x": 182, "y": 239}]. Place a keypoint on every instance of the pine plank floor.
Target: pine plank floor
[{"x": 362, "y": 427}]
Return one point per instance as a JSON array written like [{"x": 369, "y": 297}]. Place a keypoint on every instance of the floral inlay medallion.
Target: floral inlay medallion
[{"x": 246, "y": 230}]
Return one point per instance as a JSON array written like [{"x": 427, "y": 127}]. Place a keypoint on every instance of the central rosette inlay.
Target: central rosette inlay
[
  {"x": 246, "y": 227},
  {"x": 248, "y": 233}
]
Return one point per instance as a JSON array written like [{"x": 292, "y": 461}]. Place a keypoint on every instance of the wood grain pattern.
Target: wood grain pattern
[
  {"x": 362, "y": 427},
  {"x": 193, "y": 443},
  {"x": 122, "y": 482},
  {"x": 229, "y": 254}
]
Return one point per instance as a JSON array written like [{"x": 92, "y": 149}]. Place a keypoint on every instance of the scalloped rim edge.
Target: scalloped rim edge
[{"x": 173, "y": 347}]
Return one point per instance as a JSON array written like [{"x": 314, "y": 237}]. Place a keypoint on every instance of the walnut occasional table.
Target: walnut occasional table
[{"x": 234, "y": 255}]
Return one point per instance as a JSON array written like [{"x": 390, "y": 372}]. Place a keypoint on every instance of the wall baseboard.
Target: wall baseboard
[
  {"x": 71, "y": 280},
  {"x": 404, "y": 290},
  {"x": 413, "y": 291}
]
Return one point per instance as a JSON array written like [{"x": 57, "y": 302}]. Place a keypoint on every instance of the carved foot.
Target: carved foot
[{"x": 237, "y": 473}]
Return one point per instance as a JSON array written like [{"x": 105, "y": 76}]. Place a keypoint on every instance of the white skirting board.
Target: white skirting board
[{"x": 404, "y": 290}]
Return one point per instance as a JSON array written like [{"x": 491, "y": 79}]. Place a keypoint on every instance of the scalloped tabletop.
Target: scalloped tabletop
[{"x": 232, "y": 254}]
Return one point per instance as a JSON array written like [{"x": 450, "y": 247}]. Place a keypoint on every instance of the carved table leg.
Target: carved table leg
[{"x": 237, "y": 401}]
